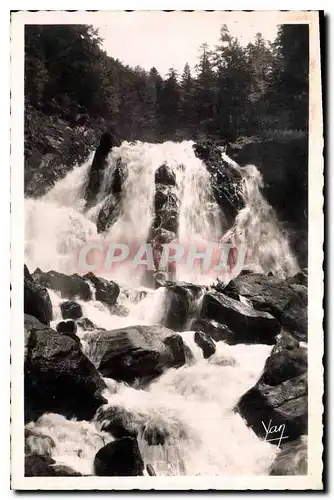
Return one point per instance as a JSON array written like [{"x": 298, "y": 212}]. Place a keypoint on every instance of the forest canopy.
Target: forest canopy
[{"x": 234, "y": 90}]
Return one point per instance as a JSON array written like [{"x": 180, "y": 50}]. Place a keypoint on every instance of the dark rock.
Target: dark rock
[
  {"x": 105, "y": 291},
  {"x": 37, "y": 301},
  {"x": 119, "y": 177},
  {"x": 150, "y": 470},
  {"x": 205, "y": 343},
  {"x": 119, "y": 458},
  {"x": 33, "y": 322},
  {"x": 109, "y": 213},
  {"x": 284, "y": 365},
  {"x": 58, "y": 377},
  {"x": 68, "y": 328},
  {"x": 248, "y": 325},
  {"x": 135, "y": 353},
  {"x": 286, "y": 301},
  {"x": 292, "y": 460},
  {"x": 39, "y": 465},
  {"x": 69, "y": 287},
  {"x": 225, "y": 180},
  {"x": 71, "y": 310},
  {"x": 180, "y": 303},
  {"x": 280, "y": 396},
  {"x": 165, "y": 175},
  {"x": 285, "y": 341},
  {"x": 166, "y": 206},
  {"x": 98, "y": 165},
  {"x": 213, "y": 329},
  {"x": 177, "y": 348}
]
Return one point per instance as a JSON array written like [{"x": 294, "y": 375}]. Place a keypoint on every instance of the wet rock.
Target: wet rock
[
  {"x": 284, "y": 299},
  {"x": 68, "y": 328},
  {"x": 180, "y": 303},
  {"x": 97, "y": 168},
  {"x": 37, "y": 301},
  {"x": 58, "y": 377},
  {"x": 105, "y": 291},
  {"x": 135, "y": 354},
  {"x": 285, "y": 341},
  {"x": 39, "y": 465},
  {"x": 165, "y": 175},
  {"x": 213, "y": 329},
  {"x": 205, "y": 343},
  {"x": 109, "y": 213},
  {"x": 166, "y": 206},
  {"x": 119, "y": 458},
  {"x": 292, "y": 460},
  {"x": 178, "y": 350},
  {"x": 71, "y": 310},
  {"x": 118, "y": 177},
  {"x": 225, "y": 180},
  {"x": 283, "y": 365},
  {"x": 248, "y": 325},
  {"x": 70, "y": 287},
  {"x": 280, "y": 396}
]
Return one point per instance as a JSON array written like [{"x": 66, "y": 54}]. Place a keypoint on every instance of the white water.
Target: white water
[{"x": 192, "y": 405}]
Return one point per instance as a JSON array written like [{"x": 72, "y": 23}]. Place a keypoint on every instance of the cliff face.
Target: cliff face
[
  {"x": 283, "y": 163},
  {"x": 53, "y": 145}
]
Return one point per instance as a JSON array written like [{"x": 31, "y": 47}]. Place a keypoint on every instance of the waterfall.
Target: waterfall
[{"x": 193, "y": 405}]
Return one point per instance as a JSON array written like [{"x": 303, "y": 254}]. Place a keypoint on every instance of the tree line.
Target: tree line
[{"x": 234, "y": 90}]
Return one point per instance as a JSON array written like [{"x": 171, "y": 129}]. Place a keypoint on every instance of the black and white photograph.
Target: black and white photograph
[{"x": 169, "y": 228}]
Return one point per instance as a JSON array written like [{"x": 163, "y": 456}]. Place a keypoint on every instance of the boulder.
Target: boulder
[
  {"x": 71, "y": 310},
  {"x": 136, "y": 353},
  {"x": 292, "y": 460},
  {"x": 177, "y": 348},
  {"x": 284, "y": 299},
  {"x": 205, "y": 343},
  {"x": 285, "y": 340},
  {"x": 58, "y": 377},
  {"x": 179, "y": 303},
  {"x": 68, "y": 328},
  {"x": 217, "y": 331},
  {"x": 37, "y": 301},
  {"x": 248, "y": 325},
  {"x": 283, "y": 365},
  {"x": 119, "y": 458},
  {"x": 105, "y": 291},
  {"x": 40, "y": 465},
  {"x": 69, "y": 287},
  {"x": 166, "y": 206},
  {"x": 97, "y": 168},
  {"x": 280, "y": 396},
  {"x": 165, "y": 175}
]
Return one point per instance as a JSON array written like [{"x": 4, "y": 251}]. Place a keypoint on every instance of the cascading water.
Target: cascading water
[{"x": 192, "y": 405}]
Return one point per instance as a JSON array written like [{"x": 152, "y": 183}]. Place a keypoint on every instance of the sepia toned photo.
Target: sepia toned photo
[{"x": 166, "y": 238}]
